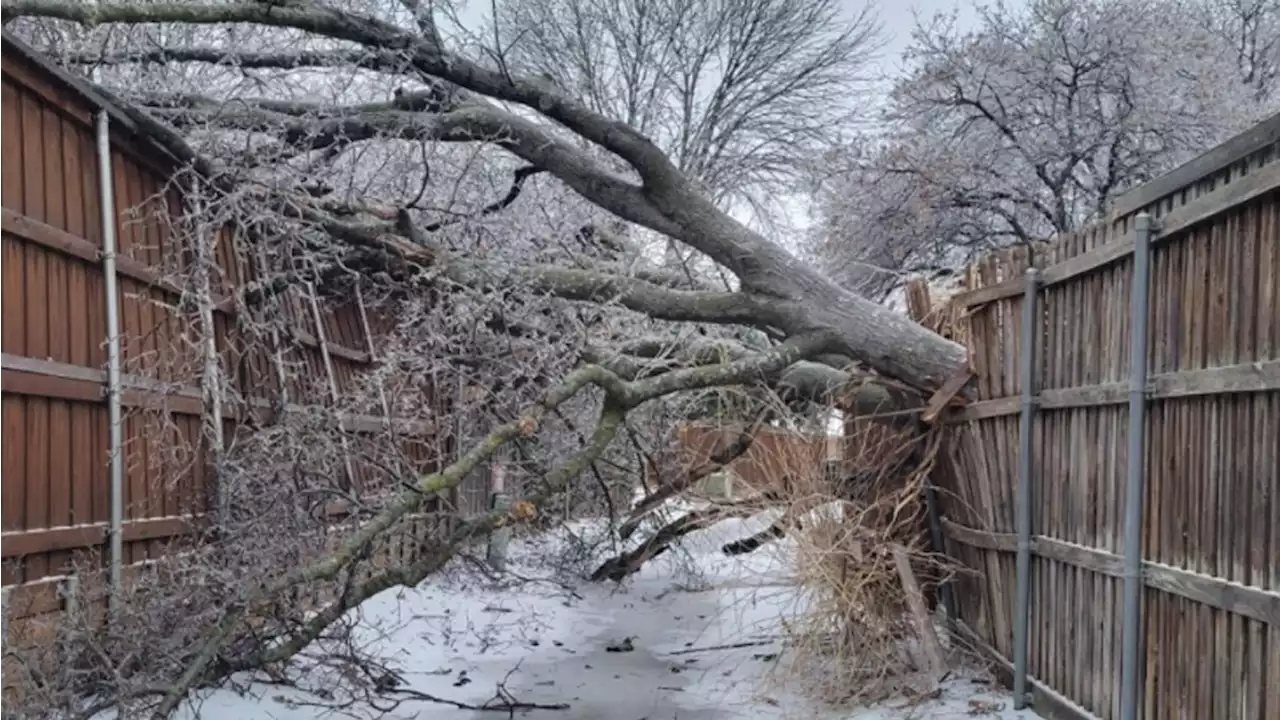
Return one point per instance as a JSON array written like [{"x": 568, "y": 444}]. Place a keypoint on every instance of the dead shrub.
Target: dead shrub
[{"x": 852, "y": 636}]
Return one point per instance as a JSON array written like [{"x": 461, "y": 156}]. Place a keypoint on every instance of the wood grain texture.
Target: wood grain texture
[
  {"x": 1211, "y": 602},
  {"x": 52, "y": 354}
]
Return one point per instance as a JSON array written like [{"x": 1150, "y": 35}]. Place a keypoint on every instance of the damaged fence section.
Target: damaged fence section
[{"x": 1115, "y": 481}]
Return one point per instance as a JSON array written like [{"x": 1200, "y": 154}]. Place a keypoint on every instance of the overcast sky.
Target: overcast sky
[{"x": 897, "y": 16}]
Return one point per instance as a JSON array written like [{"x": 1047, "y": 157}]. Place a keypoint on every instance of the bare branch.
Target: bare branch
[{"x": 360, "y": 58}]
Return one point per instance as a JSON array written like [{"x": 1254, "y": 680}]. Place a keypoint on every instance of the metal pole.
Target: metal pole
[
  {"x": 1132, "y": 617},
  {"x": 500, "y": 501},
  {"x": 210, "y": 375},
  {"x": 115, "y": 438},
  {"x": 4, "y": 618},
  {"x": 938, "y": 539},
  {"x": 1022, "y": 609}
]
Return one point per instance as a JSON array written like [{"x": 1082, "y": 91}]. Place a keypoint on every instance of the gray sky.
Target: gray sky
[{"x": 897, "y": 16}]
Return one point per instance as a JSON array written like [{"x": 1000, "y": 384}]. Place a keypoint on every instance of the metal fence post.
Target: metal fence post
[
  {"x": 939, "y": 541},
  {"x": 1022, "y": 602},
  {"x": 115, "y": 420},
  {"x": 1132, "y": 617},
  {"x": 500, "y": 501},
  {"x": 4, "y": 616},
  {"x": 72, "y": 606}
]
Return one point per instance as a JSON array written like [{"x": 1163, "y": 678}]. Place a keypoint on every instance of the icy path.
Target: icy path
[{"x": 547, "y": 644}]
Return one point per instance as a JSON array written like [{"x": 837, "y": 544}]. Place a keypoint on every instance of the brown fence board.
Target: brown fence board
[
  {"x": 54, "y": 420},
  {"x": 1212, "y": 451}
]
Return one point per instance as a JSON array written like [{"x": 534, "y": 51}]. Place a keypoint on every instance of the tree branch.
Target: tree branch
[
  {"x": 665, "y": 202},
  {"x": 366, "y": 58},
  {"x": 717, "y": 462}
]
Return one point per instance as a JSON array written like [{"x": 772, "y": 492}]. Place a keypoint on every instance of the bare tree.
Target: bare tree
[
  {"x": 1250, "y": 30},
  {"x": 740, "y": 94},
  {"x": 1028, "y": 126},
  {"x": 875, "y": 228}
]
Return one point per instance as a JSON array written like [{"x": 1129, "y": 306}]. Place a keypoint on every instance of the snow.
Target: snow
[{"x": 465, "y": 636}]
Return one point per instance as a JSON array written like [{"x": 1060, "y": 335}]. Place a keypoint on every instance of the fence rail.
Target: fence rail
[
  {"x": 1205, "y": 642},
  {"x": 54, "y": 370}
]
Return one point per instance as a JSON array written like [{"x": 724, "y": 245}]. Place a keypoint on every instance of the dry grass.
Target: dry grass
[{"x": 851, "y": 637}]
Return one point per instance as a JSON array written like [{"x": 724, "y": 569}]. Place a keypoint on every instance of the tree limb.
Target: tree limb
[
  {"x": 361, "y": 58},
  {"x": 665, "y": 201},
  {"x": 717, "y": 462}
]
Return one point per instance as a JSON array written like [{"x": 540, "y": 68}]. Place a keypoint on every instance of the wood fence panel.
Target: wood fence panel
[
  {"x": 1211, "y": 524},
  {"x": 54, "y": 417}
]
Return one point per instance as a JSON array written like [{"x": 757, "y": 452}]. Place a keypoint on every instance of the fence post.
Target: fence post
[
  {"x": 115, "y": 421},
  {"x": 373, "y": 356},
  {"x": 4, "y": 616},
  {"x": 323, "y": 341},
  {"x": 206, "y": 260},
  {"x": 500, "y": 538},
  {"x": 939, "y": 541},
  {"x": 72, "y": 605},
  {"x": 1132, "y": 617},
  {"x": 1022, "y": 601}
]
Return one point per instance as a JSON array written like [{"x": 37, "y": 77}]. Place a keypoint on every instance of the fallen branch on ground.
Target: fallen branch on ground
[
  {"x": 505, "y": 704},
  {"x": 727, "y": 646},
  {"x": 619, "y": 567},
  {"x": 621, "y": 396},
  {"x": 717, "y": 462}
]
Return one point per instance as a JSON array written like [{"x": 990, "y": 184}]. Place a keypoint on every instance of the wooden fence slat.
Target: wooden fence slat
[
  {"x": 1250, "y": 377},
  {"x": 1242, "y": 191},
  {"x": 1253, "y": 602}
]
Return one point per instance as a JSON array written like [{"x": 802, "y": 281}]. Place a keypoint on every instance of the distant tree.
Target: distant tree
[
  {"x": 1250, "y": 29},
  {"x": 741, "y": 94},
  {"x": 1030, "y": 125}
]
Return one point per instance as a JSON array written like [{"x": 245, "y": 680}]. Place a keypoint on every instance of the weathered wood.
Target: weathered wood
[
  {"x": 1239, "y": 192},
  {"x": 307, "y": 338},
  {"x": 1256, "y": 138},
  {"x": 982, "y": 409},
  {"x": 1262, "y": 376},
  {"x": 5, "y": 595},
  {"x": 1212, "y": 451},
  {"x": 935, "y": 659},
  {"x": 1084, "y": 397},
  {"x": 1088, "y": 261},
  {"x": 27, "y": 542},
  {"x": 1250, "y": 377},
  {"x": 1252, "y": 602},
  {"x": 1047, "y": 702},
  {"x": 55, "y": 480},
  {"x": 946, "y": 396},
  {"x": 1000, "y": 291}
]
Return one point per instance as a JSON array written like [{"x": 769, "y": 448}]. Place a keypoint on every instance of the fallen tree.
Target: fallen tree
[
  {"x": 821, "y": 343},
  {"x": 777, "y": 291}
]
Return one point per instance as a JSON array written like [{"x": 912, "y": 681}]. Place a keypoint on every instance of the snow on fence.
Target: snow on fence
[{"x": 1202, "y": 635}]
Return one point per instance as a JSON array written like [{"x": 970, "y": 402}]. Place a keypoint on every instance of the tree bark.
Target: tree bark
[{"x": 799, "y": 298}]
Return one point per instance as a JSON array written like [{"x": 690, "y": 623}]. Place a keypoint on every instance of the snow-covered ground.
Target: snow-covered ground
[{"x": 647, "y": 650}]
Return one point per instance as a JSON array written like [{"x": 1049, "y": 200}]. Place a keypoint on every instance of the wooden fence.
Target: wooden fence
[
  {"x": 777, "y": 459},
  {"x": 1209, "y": 640},
  {"x": 55, "y": 418}
]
